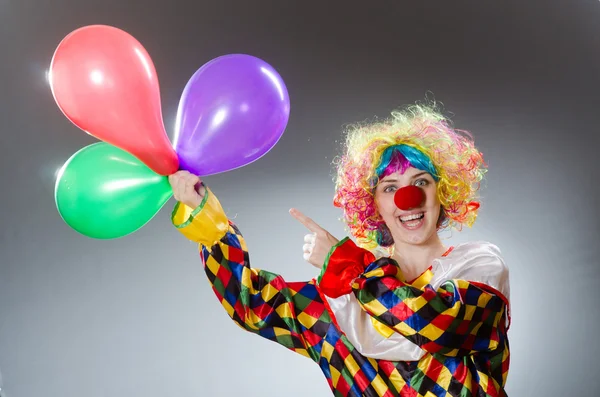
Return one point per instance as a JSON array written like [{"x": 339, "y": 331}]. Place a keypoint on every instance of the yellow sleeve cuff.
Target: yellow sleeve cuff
[{"x": 206, "y": 224}]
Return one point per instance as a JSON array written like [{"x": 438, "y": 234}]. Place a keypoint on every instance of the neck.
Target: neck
[{"x": 415, "y": 259}]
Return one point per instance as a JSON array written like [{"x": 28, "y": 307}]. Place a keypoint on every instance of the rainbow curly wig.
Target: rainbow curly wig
[{"x": 418, "y": 136}]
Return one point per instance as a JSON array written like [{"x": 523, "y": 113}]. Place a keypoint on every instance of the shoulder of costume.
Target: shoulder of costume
[
  {"x": 479, "y": 247},
  {"x": 479, "y": 261}
]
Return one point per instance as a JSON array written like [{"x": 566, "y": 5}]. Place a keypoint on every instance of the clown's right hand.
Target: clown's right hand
[{"x": 187, "y": 188}]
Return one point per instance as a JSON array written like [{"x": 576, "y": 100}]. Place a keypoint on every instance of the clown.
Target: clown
[{"x": 395, "y": 313}]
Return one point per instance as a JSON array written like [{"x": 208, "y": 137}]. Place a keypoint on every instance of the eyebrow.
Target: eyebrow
[{"x": 412, "y": 177}]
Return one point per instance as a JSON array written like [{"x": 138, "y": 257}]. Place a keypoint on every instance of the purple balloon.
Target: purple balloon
[{"x": 233, "y": 111}]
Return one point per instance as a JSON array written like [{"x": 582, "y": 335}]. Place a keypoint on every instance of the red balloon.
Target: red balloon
[
  {"x": 409, "y": 197},
  {"x": 104, "y": 81}
]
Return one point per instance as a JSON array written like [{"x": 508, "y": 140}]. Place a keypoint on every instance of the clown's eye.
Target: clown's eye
[
  {"x": 421, "y": 182},
  {"x": 389, "y": 189}
]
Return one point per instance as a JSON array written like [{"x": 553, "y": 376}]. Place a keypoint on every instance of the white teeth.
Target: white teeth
[{"x": 411, "y": 217}]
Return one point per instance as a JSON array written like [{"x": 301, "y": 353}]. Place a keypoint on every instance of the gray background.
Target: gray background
[{"x": 136, "y": 317}]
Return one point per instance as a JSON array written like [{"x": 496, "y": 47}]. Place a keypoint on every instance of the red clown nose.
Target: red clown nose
[{"x": 409, "y": 197}]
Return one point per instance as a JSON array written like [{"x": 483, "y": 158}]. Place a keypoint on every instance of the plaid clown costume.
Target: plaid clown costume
[{"x": 371, "y": 333}]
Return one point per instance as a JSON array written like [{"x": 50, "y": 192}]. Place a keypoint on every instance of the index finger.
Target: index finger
[{"x": 306, "y": 221}]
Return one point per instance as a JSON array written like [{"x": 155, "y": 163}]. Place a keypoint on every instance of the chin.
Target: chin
[{"x": 417, "y": 240}]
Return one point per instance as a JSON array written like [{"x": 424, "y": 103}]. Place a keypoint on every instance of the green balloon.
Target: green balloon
[{"x": 104, "y": 192}]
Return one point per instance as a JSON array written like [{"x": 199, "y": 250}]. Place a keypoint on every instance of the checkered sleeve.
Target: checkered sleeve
[
  {"x": 459, "y": 318},
  {"x": 256, "y": 300}
]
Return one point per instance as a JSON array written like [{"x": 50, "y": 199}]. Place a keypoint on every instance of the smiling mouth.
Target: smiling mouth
[
  {"x": 412, "y": 221},
  {"x": 412, "y": 217}
]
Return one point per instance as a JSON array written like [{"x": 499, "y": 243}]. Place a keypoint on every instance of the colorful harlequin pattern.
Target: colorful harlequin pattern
[{"x": 454, "y": 326}]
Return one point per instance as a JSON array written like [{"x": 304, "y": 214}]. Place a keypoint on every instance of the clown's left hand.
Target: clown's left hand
[{"x": 317, "y": 244}]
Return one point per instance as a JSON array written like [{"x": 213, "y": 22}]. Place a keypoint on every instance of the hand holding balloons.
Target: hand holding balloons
[{"x": 187, "y": 188}]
